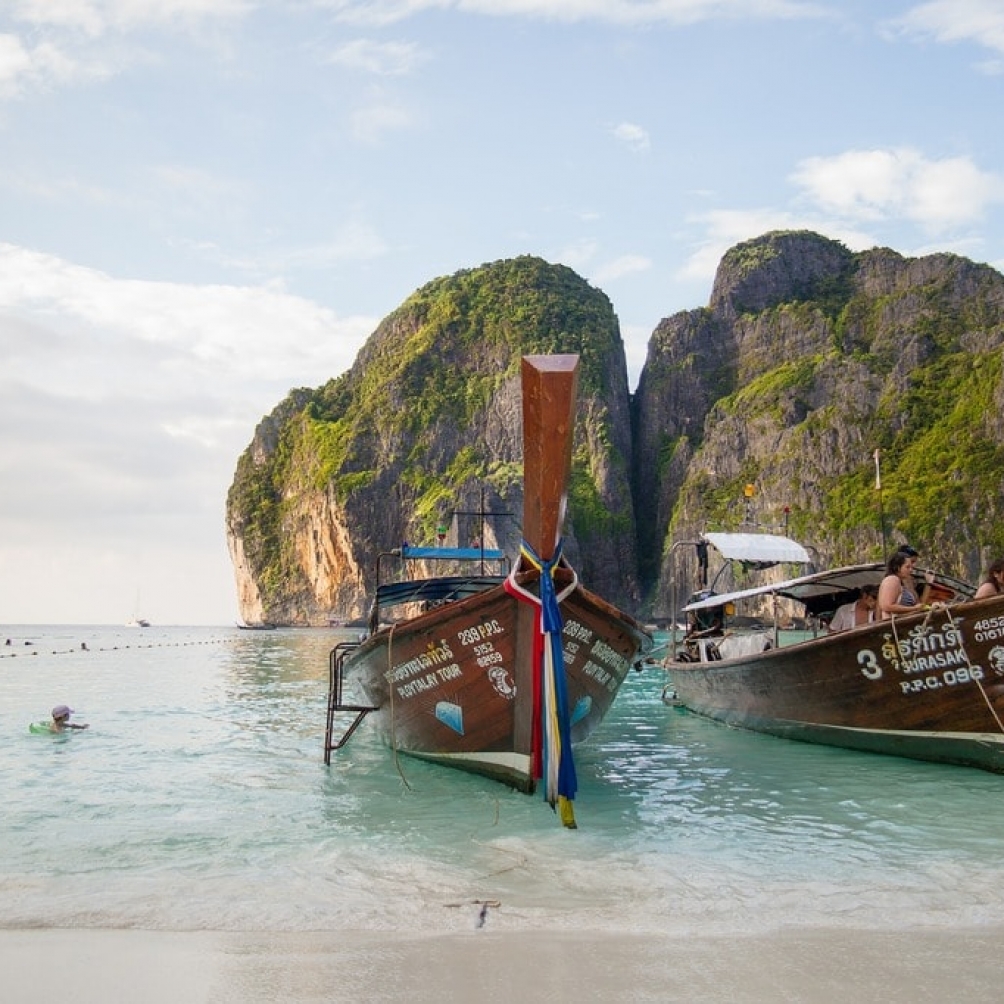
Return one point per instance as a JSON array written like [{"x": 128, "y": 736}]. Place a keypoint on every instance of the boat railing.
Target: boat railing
[
  {"x": 336, "y": 669},
  {"x": 398, "y": 586}
]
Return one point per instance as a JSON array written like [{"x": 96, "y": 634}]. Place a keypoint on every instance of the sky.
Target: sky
[{"x": 207, "y": 203}]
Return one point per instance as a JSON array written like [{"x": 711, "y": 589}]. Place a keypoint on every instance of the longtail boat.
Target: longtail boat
[
  {"x": 928, "y": 685},
  {"x": 497, "y": 674}
]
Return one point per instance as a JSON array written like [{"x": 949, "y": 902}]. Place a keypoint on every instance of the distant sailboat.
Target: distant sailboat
[{"x": 136, "y": 620}]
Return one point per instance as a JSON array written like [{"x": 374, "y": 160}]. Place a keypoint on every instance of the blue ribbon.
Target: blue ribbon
[{"x": 552, "y": 624}]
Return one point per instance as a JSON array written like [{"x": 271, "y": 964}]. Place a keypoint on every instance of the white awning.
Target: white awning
[
  {"x": 763, "y": 548},
  {"x": 818, "y": 587},
  {"x": 805, "y": 588}
]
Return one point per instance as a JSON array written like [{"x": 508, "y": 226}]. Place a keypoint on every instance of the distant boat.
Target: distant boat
[
  {"x": 136, "y": 620},
  {"x": 927, "y": 685},
  {"x": 499, "y": 673}
]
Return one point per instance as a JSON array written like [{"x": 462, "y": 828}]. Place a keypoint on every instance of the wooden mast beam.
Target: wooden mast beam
[{"x": 550, "y": 385}]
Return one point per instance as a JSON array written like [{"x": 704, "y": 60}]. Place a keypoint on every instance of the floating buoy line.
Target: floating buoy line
[{"x": 29, "y": 648}]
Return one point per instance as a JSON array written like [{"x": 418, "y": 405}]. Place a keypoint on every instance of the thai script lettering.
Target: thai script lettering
[
  {"x": 931, "y": 655},
  {"x": 608, "y": 656},
  {"x": 926, "y": 646},
  {"x": 433, "y": 656}
]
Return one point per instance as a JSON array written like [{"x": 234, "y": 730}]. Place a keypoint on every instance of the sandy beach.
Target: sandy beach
[{"x": 102, "y": 966}]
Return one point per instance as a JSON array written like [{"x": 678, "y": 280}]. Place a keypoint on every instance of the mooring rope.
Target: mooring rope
[
  {"x": 950, "y": 621},
  {"x": 393, "y": 707}
]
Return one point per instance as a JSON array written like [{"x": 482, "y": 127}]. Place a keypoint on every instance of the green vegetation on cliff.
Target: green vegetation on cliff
[
  {"x": 807, "y": 360},
  {"x": 407, "y": 434},
  {"x": 880, "y": 356}
]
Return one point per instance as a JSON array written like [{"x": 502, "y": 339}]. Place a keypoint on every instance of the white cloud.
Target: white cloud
[
  {"x": 624, "y": 12},
  {"x": 353, "y": 242},
  {"x": 625, "y": 265},
  {"x": 371, "y": 124},
  {"x": 577, "y": 256},
  {"x": 95, "y": 17},
  {"x": 856, "y": 197},
  {"x": 213, "y": 336},
  {"x": 723, "y": 229},
  {"x": 875, "y": 185},
  {"x": 69, "y": 37},
  {"x": 75, "y": 41},
  {"x": 41, "y": 66},
  {"x": 387, "y": 59},
  {"x": 124, "y": 405},
  {"x": 632, "y": 136},
  {"x": 977, "y": 21}
]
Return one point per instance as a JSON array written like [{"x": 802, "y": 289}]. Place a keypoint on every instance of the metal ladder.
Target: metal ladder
[{"x": 336, "y": 665}]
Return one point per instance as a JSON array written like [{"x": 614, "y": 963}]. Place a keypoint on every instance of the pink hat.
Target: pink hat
[{"x": 61, "y": 711}]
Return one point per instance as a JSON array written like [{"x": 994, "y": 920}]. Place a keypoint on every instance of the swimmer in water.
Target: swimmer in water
[{"x": 61, "y": 719}]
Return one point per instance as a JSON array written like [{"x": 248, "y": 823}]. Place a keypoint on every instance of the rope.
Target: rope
[
  {"x": 393, "y": 722},
  {"x": 949, "y": 620},
  {"x": 31, "y": 649},
  {"x": 551, "y": 741}
]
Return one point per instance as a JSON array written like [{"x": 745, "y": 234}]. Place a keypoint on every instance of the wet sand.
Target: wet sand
[{"x": 110, "y": 966}]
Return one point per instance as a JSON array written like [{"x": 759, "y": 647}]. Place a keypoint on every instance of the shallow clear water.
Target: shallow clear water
[{"x": 199, "y": 799}]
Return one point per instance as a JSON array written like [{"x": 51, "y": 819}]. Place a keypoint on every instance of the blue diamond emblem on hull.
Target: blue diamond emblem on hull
[
  {"x": 582, "y": 708},
  {"x": 451, "y": 715}
]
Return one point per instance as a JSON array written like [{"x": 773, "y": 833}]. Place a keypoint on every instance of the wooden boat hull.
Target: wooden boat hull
[
  {"x": 499, "y": 675},
  {"x": 454, "y": 685},
  {"x": 929, "y": 686}
]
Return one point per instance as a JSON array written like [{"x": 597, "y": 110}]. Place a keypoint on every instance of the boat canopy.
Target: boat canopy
[
  {"x": 452, "y": 553},
  {"x": 822, "y": 591},
  {"x": 758, "y": 548},
  {"x": 439, "y": 590}
]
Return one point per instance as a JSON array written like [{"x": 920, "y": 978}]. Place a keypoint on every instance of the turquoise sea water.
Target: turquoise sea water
[{"x": 199, "y": 800}]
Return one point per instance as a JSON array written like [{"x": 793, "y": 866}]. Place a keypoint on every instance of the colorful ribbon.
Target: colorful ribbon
[{"x": 551, "y": 742}]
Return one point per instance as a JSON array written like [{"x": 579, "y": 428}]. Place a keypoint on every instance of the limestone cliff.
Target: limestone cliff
[
  {"x": 808, "y": 359},
  {"x": 423, "y": 429}
]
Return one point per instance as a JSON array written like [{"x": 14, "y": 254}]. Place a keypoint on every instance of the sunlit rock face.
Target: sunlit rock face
[
  {"x": 807, "y": 359},
  {"x": 424, "y": 434}
]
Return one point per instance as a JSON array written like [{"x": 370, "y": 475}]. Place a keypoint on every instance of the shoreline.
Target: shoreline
[{"x": 825, "y": 965}]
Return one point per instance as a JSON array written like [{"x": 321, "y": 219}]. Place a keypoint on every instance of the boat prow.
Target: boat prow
[{"x": 503, "y": 669}]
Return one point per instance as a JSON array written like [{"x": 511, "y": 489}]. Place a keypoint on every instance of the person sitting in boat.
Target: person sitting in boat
[
  {"x": 993, "y": 584},
  {"x": 61, "y": 719},
  {"x": 923, "y": 592},
  {"x": 897, "y": 591},
  {"x": 706, "y": 622},
  {"x": 858, "y": 612}
]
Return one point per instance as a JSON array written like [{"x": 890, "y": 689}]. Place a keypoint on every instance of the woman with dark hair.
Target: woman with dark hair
[
  {"x": 993, "y": 584},
  {"x": 897, "y": 592}
]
